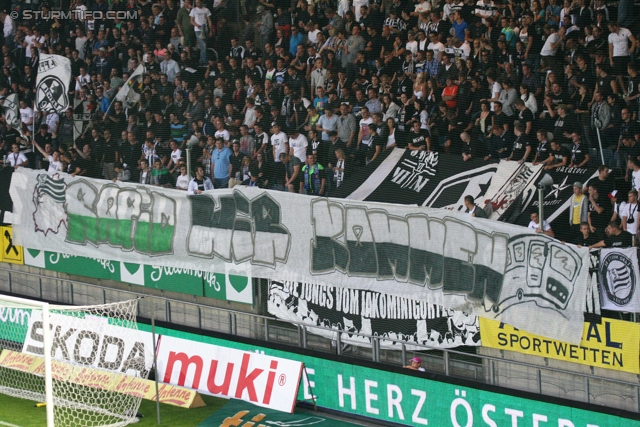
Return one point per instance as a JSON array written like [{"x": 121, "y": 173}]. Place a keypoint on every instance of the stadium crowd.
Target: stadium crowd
[{"x": 298, "y": 97}]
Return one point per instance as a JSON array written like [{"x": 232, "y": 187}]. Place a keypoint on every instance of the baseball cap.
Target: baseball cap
[
  {"x": 578, "y": 184},
  {"x": 416, "y": 359},
  {"x": 613, "y": 194}
]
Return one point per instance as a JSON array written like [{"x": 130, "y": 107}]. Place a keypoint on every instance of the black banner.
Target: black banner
[
  {"x": 399, "y": 320},
  {"x": 418, "y": 178},
  {"x": 556, "y": 199}
]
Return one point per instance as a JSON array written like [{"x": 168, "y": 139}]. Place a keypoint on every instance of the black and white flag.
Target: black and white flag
[
  {"x": 12, "y": 111},
  {"x": 129, "y": 93},
  {"x": 418, "y": 178},
  {"x": 403, "y": 173},
  {"x": 619, "y": 279},
  {"x": 52, "y": 83},
  {"x": 512, "y": 183},
  {"x": 397, "y": 320},
  {"x": 557, "y": 199}
]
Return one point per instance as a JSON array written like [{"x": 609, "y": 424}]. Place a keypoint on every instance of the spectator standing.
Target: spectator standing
[
  {"x": 578, "y": 209},
  {"x": 221, "y": 164}
]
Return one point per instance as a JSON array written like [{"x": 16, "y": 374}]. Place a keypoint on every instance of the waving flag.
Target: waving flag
[
  {"x": 129, "y": 93},
  {"x": 52, "y": 83}
]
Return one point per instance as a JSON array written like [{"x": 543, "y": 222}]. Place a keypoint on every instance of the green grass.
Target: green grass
[{"x": 23, "y": 413}]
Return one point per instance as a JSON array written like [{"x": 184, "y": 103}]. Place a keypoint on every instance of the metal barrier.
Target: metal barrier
[{"x": 480, "y": 368}]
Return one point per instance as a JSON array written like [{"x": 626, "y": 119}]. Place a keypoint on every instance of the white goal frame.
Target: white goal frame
[{"x": 46, "y": 331}]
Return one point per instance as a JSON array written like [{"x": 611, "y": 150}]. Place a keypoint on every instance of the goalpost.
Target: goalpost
[{"x": 82, "y": 362}]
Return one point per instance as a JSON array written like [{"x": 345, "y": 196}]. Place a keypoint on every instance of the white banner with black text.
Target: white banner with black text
[{"x": 395, "y": 320}]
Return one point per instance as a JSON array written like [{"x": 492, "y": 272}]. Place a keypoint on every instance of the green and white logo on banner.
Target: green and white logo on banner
[
  {"x": 233, "y": 285},
  {"x": 166, "y": 278}
]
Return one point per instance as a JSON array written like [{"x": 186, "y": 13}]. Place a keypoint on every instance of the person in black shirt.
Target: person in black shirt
[
  {"x": 524, "y": 115},
  {"x": 471, "y": 148},
  {"x": 500, "y": 118},
  {"x": 579, "y": 152},
  {"x": 563, "y": 123},
  {"x": 599, "y": 211},
  {"x": 521, "y": 149},
  {"x": 630, "y": 149},
  {"x": 419, "y": 139},
  {"x": 316, "y": 146},
  {"x": 603, "y": 181},
  {"x": 499, "y": 143},
  {"x": 543, "y": 150},
  {"x": 236, "y": 162},
  {"x": 558, "y": 156},
  {"x": 615, "y": 238},
  {"x": 378, "y": 144},
  {"x": 585, "y": 238}
]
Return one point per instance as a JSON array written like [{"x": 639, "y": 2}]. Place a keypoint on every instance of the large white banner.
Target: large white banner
[
  {"x": 619, "y": 279},
  {"x": 482, "y": 267},
  {"x": 52, "y": 83},
  {"x": 263, "y": 380}
]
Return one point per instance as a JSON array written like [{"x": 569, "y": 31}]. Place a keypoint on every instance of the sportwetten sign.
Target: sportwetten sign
[{"x": 601, "y": 345}]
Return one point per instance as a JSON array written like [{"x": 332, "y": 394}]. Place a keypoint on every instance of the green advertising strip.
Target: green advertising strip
[
  {"x": 224, "y": 286},
  {"x": 78, "y": 265},
  {"x": 415, "y": 401},
  {"x": 238, "y": 412}
]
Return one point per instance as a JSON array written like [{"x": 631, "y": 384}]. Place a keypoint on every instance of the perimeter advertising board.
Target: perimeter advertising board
[
  {"x": 412, "y": 400},
  {"x": 611, "y": 344},
  {"x": 382, "y": 395}
]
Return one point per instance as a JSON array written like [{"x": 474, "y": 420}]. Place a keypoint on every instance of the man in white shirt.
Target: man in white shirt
[
  {"x": 424, "y": 6},
  {"x": 535, "y": 225},
  {"x": 551, "y": 45},
  {"x": 26, "y": 115},
  {"x": 176, "y": 154},
  {"x": 629, "y": 213},
  {"x": 201, "y": 21},
  {"x": 52, "y": 119},
  {"x": 634, "y": 166},
  {"x": 298, "y": 145},
  {"x": 81, "y": 39},
  {"x": 619, "y": 50},
  {"x": 485, "y": 9},
  {"x": 279, "y": 141},
  {"x": 221, "y": 132},
  {"x": 9, "y": 29},
  {"x": 182, "y": 182},
  {"x": 169, "y": 67},
  {"x": 436, "y": 46},
  {"x": 318, "y": 76},
  {"x": 16, "y": 158},
  {"x": 356, "y": 8},
  {"x": 250, "y": 113}
]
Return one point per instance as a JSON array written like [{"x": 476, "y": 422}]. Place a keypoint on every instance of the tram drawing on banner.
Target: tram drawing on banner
[{"x": 540, "y": 271}]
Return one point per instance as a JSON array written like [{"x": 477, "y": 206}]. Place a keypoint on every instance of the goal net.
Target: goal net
[{"x": 82, "y": 365}]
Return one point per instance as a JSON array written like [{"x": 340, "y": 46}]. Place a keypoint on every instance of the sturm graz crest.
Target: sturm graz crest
[
  {"x": 50, "y": 95},
  {"x": 618, "y": 278}
]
